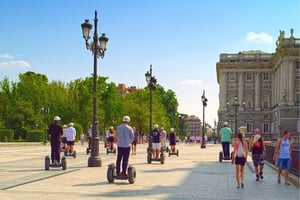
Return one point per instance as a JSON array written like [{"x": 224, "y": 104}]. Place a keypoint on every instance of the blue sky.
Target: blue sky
[{"x": 182, "y": 39}]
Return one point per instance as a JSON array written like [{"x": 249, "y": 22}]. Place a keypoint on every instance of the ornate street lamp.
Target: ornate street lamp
[
  {"x": 151, "y": 81},
  {"x": 235, "y": 104},
  {"x": 204, "y": 104},
  {"x": 98, "y": 50}
]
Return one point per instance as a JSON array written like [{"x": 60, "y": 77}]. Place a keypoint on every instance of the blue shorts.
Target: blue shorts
[{"x": 284, "y": 163}]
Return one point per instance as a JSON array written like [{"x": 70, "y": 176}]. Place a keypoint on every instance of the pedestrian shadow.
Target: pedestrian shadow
[{"x": 90, "y": 184}]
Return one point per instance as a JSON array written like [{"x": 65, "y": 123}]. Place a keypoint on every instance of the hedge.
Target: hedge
[
  {"x": 35, "y": 136},
  {"x": 6, "y": 135}
]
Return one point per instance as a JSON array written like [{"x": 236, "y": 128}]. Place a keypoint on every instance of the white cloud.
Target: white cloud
[
  {"x": 6, "y": 56},
  {"x": 14, "y": 64},
  {"x": 191, "y": 82},
  {"x": 259, "y": 37}
]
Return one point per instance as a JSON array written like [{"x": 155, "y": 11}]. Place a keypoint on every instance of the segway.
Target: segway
[
  {"x": 62, "y": 164},
  {"x": 112, "y": 174},
  {"x": 73, "y": 154},
  {"x": 221, "y": 156},
  {"x": 164, "y": 149},
  {"x": 108, "y": 150},
  {"x": 174, "y": 153},
  {"x": 161, "y": 158}
]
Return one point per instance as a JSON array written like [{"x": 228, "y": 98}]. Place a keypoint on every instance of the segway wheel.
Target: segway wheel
[
  {"x": 149, "y": 158},
  {"x": 131, "y": 175},
  {"x": 177, "y": 153},
  {"x": 74, "y": 154},
  {"x": 162, "y": 159},
  {"x": 110, "y": 175},
  {"x": 64, "y": 163},
  {"x": 220, "y": 156},
  {"x": 47, "y": 163}
]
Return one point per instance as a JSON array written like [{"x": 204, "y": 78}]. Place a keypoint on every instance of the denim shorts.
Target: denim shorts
[{"x": 284, "y": 163}]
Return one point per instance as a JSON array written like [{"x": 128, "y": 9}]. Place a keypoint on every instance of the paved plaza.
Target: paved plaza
[{"x": 195, "y": 174}]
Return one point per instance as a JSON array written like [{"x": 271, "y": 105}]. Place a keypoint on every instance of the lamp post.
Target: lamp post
[
  {"x": 151, "y": 81},
  {"x": 235, "y": 104},
  {"x": 204, "y": 104},
  {"x": 98, "y": 50},
  {"x": 46, "y": 112}
]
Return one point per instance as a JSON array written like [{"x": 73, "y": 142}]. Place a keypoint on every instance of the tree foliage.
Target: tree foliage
[{"x": 22, "y": 104}]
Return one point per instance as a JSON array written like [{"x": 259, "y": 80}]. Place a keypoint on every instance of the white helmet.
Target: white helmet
[
  {"x": 172, "y": 129},
  {"x": 71, "y": 124},
  {"x": 111, "y": 128},
  {"x": 155, "y": 126},
  {"x": 56, "y": 118},
  {"x": 64, "y": 126},
  {"x": 126, "y": 119},
  {"x": 225, "y": 124}
]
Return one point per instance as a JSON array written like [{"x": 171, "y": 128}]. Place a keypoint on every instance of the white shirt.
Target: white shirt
[{"x": 71, "y": 133}]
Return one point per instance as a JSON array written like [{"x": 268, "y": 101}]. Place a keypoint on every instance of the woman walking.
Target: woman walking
[{"x": 239, "y": 157}]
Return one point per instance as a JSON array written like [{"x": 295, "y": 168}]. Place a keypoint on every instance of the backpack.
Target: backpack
[{"x": 241, "y": 150}]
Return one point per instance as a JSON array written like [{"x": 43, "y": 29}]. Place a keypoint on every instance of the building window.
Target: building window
[
  {"x": 249, "y": 128},
  {"x": 232, "y": 77},
  {"x": 249, "y": 105},
  {"x": 266, "y": 127},
  {"x": 266, "y": 104},
  {"x": 265, "y": 76},
  {"x": 297, "y": 99},
  {"x": 298, "y": 65},
  {"x": 249, "y": 77}
]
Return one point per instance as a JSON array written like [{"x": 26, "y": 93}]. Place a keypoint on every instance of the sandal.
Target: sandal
[
  {"x": 287, "y": 183},
  {"x": 278, "y": 181}
]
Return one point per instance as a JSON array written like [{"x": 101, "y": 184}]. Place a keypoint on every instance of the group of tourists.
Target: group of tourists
[{"x": 282, "y": 154}]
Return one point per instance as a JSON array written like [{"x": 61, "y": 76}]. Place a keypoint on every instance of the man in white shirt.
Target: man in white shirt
[{"x": 71, "y": 135}]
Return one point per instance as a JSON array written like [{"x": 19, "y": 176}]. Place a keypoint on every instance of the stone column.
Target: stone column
[
  {"x": 241, "y": 88},
  {"x": 273, "y": 88},
  {"x": 291, "y": 84},
  {"x": 257, "y": 91},
  {"x": 223, "y": 90}
]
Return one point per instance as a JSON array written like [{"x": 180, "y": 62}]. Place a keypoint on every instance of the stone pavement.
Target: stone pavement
[{"x": 195, "y": 174}]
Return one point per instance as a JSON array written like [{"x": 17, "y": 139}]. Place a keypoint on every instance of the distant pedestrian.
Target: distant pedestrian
[
  {"x": 135, "y": 141},
  {"x": 56, "y": 131},
  {"x": 124, "y": 137},
  {"x": 64, "y": 138},
  {"x": 258, "y": 153},
  {"x": 283, "y": 152},
  {"x": 111, "y": 138},
  {"x": 226, "y": 135},
  {"x": 163, "y": 135},
  {"x": 240, "y": 154},
  {"x": 82, "y": 138}
]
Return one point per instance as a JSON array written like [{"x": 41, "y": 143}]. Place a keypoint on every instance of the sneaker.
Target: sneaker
[
  {"x": 238, "y": 186},
  {"x": 257, "y": 178},
  {"x": 261, "y": 175},
  {"x": 278, "y": 180},
  {"x": 124, "y": 175},
  {"x": 242, "y": 185},
  {"x": 287, "y": 183}
]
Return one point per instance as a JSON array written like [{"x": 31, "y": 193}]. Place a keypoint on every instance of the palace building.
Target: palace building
[{"x": 261, "y": 90}]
